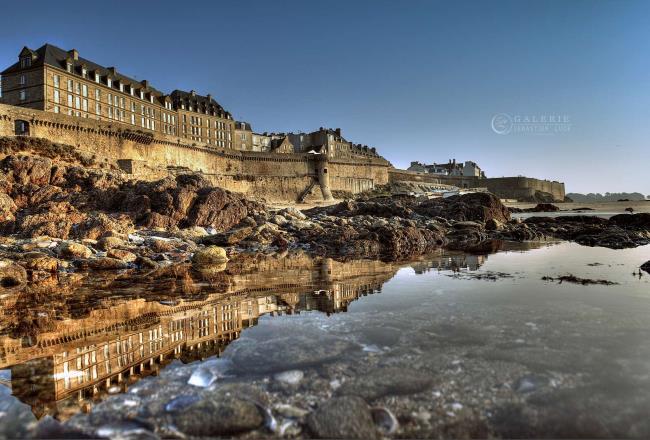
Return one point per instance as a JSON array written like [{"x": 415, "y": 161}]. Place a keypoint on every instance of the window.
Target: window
[
  {"x": 57, "y": 97},
  {"x": 84, "y": 72},
  {"x": 22, "y": 80},
  {"x": 109, "y": 82},
  {"x": 132, "y": 119},
  {"x": 22, "y": 95},
  {"x": 56, "y": 109},
  {"x": 110, "y": 112},
  {"x": 77, "y": 102},
  {"x": 110, "y": 99},
  {"x": 84, "y": 106},
  {"x": 69, "y": 85},
  {"x": 25, "y": 62},
  {"x": 98, "y": 108},
  {"x": 77, "y": 88},
  {"x": 132, "y": 90},
  {"x": 68, "y": 67},
  {"x": 69, "y": 100},
  {"x": 98, "y": 94},
  {"x": 84, "y": 90},
  {"x": 97, "y": 77},
  {"x": 121, "y": 87},
  {"x": 57, "y": 81},
  {"x": 151, "y": 99},
  {"x": 122, "y": 102},
  {"x": 141, "y": 94}
]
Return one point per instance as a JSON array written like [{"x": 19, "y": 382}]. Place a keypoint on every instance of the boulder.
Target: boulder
[
  {"x": 107, "y": 263},
  {"x": 106, "y": 243},
  {"x": 211, "y": 255},
  {"x": 7, "y": 208},
  {"x": 120, "y": 254},
  {"x": 343, "y": 417},
  {"x": 646, "y": 266},
  {"x": 70, "y": 249},
  {"x": 40, "y": 261},
  {"x": 11, "y": 274},
  {"x": 222, "y": 416}
]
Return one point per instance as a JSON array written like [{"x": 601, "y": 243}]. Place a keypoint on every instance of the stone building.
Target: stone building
[
  {"x": 452, "y": 168},
  {"x": 59, "y": 81},
  {"x": 243, "y": 136},
  {"x": 330, "y": 142},
  {"x": 202, "y": 119}
]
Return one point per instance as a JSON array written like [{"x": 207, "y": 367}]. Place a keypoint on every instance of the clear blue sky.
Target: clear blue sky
[{"x": 420, "y": 80}]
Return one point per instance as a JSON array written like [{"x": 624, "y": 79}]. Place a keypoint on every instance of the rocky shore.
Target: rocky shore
[{"x": 61, "y": 212}]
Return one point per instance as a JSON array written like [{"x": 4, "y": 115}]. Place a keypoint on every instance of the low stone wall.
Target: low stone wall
[{"x": 269, "y": 176}]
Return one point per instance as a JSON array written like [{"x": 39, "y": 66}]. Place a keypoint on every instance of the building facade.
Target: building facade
[{"x": 60, "y": 81}]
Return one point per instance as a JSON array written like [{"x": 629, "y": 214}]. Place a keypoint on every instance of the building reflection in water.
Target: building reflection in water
[{"x": 87, "y": 349}]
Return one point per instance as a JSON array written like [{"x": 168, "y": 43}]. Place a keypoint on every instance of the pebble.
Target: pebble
[
  {"x": 202, "y": 377},
  {"x": 291, "y": 377}
]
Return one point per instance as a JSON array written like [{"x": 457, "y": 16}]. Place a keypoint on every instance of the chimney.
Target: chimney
[
  {"x": 192, "y": 92},
  {"x": 209, "y": 97},
  {"x": 338, "y": 131},
  {"x": 112, "y": 70},
  {"x": 145, "y": 83},
  {"x": 74, "y": 54}
]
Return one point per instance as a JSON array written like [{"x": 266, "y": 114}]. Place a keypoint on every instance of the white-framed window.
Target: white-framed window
[
  {"x": 98, "y": 95},
  {"x": 121, "y": 87},
  {"x": 98, "y": 78},
  {"x": 110, "y": 99},
  {"x": 84, "y": 91},
  {"x": 68, "y": 67},
  {"x": 69, "y": 100},
  {"x": 84, "y": 72},
  {"x": 110, "y": 112},
  {"x": 77, "y": 102},
  {"x": 22, "y": 80},
  {"x": 132, "y": 90},
  {"x": 77, "y": 88},
  {"x": 70, "y": 85},
  {"x": 109, "y": 82},
  {"x": 57, "y": 81},
  {"x": 25, "y": 62},
  {"x": 84, "y": 105},
  {"x": 132, "y": 119},
  {"x": 141, "y": 94},
  {"x": 151, "y": 99},
  {"x": 23, "y": 95},
  {"x": 98, "y": 108},
  {"x": 153, "y": 124},
  {"x": 122, "y": 102},
  {"x": 56, "y": 109},
  {"x": 57, "y": 97}
]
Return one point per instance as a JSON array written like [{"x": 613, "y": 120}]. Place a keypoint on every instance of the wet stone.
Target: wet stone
[
  {"x": 386, "y": 381},
  {"x": 212, "y": 417},
  {"x": 343, "y": 417}
]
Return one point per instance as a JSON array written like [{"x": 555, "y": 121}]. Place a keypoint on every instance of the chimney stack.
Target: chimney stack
[
  {"x": 74, "y": 54},
  {"x": 192, "y": 92},
  {"x": 209, "y": 97},
  {"x": 145, "y": 83}
]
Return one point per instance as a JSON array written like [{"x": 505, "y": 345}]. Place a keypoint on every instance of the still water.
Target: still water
[{"x": 452, "y": 344}]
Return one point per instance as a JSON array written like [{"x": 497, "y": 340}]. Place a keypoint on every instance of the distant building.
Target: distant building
[{"x": 466, "y": 169}]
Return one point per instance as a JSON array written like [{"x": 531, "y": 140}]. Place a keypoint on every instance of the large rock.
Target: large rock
[
  {"x": 646, "y": 266},
  {"x": 640, "y": 221},
  {"x": 224, "y": 416},
  {"x": 7, "y": 208},
  {"x": 387, "y": 381},
  {"x": 25, "y": 169},
  {"x": 70, "y": 249},
  {"x": 343, "y": 417},
  {"x": 11, "y": 274},
  {"x": 212, "y": 255},
  {"x": 474, "y": 206}
]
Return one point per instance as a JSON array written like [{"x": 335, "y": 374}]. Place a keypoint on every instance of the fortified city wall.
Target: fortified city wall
[
  {"x": 520, "y": 188},
  {"x": 274, "y": 177}
]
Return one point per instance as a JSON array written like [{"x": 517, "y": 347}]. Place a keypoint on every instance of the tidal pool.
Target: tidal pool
[{"x": 453, "y": 345}]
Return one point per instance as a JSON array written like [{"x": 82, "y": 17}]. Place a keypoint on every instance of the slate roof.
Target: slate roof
[
  {"x": 51, "y": 55},
  {"x": 181, "y": 96}
]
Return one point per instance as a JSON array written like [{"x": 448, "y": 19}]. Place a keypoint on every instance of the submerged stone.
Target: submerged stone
[
  {"x": 343, "y": 417},
  {"x": 227, "y": 416}
]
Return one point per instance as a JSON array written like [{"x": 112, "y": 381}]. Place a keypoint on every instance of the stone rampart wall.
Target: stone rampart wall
[{"x": 274, "y": 177}]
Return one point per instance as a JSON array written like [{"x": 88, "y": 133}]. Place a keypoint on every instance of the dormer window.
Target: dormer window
[
  {"x": 25, "y": 62},
  {"x": 121, "y": 87},
  {"x": 141, "y": 94},
  {"x": 132, "y": 90},
  {"x": 151, "y": 99},
  {"x": 68, "y": 67},
  {"x": 182, "y": 106},
  {"x": 97, "y": 77},
  {"x": 109, "y": 82},
  {"x": 84, "y": 72}
]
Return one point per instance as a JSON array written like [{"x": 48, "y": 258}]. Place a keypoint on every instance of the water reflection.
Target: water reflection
[{"x": 69, "y": 342}]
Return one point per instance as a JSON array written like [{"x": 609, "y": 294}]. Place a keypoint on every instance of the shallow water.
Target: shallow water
[{"x": 452, "y": 344}]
